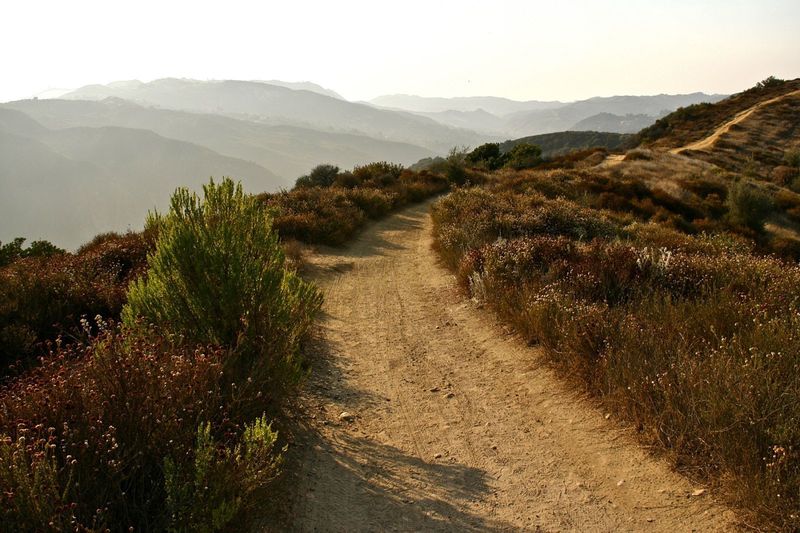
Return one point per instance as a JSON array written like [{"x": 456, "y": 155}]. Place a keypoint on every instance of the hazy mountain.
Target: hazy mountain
[
  {"x": 478, "y": 120},
  {"x": 491, "y": 104},
  {"x": 258, "y": 100},
  {"x": 68, "y": 185},
  {"x": 288, "y": 151},
  {"x": 566, "y": 117},
  {"x": 510, "y": 118},
  {"x": 614, "y": 123},
  {"x": 304, "y": 86}
]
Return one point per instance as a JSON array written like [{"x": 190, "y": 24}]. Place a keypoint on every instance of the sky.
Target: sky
[{"x": 555, "y": 50}]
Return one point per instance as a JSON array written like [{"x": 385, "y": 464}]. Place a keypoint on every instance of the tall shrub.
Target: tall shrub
[{"x": 218, "y": 276}]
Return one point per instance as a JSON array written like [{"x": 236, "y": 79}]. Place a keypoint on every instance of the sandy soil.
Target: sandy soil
[
  {"x": 424, "y": 414},
  {"x": 708, "y": 142}
]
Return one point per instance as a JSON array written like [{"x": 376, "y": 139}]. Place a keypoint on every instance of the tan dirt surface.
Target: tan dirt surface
[
  {"x": 708, "y": 142},
  {"x": 424, "y": 414},
  {"x": 613, "y": 160}
]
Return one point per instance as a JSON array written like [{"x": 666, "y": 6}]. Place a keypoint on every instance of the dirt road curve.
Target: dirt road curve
[
  {"x": 708, "y": 142},
  {"x": 457, "y": 426}
]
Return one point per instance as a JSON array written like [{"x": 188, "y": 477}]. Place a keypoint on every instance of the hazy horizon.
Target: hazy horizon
[{"x": 513, "y": 49}]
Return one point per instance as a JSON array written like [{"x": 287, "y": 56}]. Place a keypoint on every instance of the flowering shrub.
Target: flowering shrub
[{"x": 44, "y": 297}]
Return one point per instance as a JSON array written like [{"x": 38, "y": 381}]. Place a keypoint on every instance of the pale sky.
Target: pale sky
[{"x": 554, "y": 50}]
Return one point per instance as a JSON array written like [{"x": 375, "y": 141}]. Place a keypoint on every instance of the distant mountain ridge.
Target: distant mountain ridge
[
  {"x": 259, "y": 100},
  {"x": 512, "y": 118},
  {"x": 495, "y": 105}
]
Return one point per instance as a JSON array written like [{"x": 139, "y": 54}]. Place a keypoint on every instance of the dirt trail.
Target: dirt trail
[
  {"x": 708, "y": 142},
  {"x": 457, "y": 425},
  {"x": 612, "y": 160}
]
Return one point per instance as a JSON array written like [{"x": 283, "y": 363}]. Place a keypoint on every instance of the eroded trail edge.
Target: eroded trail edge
[{"x": 424, "y": 414}]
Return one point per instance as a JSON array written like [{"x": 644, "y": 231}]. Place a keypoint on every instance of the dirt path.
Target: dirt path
[
  {"x": 708, "y": 142},
  {"x": 457, "y": 425},
  {"x": 612, "y": 160}
]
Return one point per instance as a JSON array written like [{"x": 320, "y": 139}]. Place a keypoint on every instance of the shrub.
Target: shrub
[
  {"x": 522, "y": 156},
  {"x": 792, "y": 158},
  {"x": 487, "y": 156},
  {"x": 13, "y": 250},
  {"x": 217, "y": 276},
  {"x": 83, "y": 438},
  {"x": 320, "y": 176},
  {"x": 454, "y": 166},
  {"x": 43, "y": 298},
  {"x": 748, "y": 207},
  {"x": 380, "y": 174},
  {"x": 771, "y": 81}
]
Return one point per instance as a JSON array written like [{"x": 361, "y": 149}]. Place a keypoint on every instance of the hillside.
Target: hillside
[
  {"x": 262, "y": 101},
  {"x": 695, "y": 122},
  {"x": 614, "y": 123},
  {"x": 68, "y": 185},
  {"x": 288, "y": 151},
  {"x": 555, "y": 144}
]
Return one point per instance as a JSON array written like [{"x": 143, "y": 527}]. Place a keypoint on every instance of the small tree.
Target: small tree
[
  {"x": 748, "y": 206},
  {"x": 524, "y": 155},
  {"x": 486, "y": 156},
  {"x": 320, "y": 176},
  {"x": 454, "y": 165}
]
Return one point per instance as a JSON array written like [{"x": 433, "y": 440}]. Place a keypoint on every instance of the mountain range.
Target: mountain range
[
  {"x": 512, "y": 119},
  {"x": 98, "y": 157}
]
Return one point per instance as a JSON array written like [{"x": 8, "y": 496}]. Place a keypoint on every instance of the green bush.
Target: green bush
[
  {"x": 792, "y": 158},
  {"x": 320, "y": 176},
  {"x": 748, "y": 207},
  {"x": 522, "y": 156},
  {"x": 487, "y": 156},
  {"x": 217, "y": 276}
]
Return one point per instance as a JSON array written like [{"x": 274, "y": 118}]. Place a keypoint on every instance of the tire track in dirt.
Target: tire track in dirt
[{"x": 458, "y": 425}]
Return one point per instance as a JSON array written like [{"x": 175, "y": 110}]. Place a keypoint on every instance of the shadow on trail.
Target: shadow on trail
[{"x": 343, "y": 480}]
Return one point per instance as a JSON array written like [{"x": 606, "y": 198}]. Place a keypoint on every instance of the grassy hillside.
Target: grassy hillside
[{"x": 691, "y": 123}]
